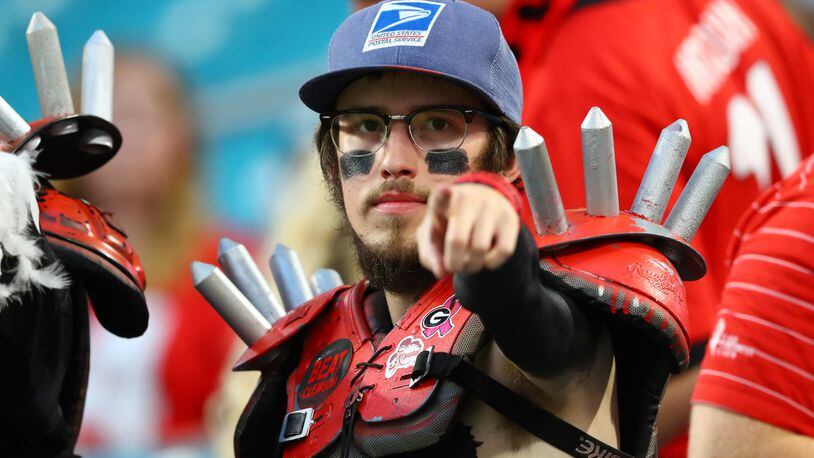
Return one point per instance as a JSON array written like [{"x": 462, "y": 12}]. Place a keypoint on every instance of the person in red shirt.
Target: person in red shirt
[{"x": 755, "y": 392}]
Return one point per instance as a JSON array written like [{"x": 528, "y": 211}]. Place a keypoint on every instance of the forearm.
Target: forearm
[
  {"x": 715, "y": 432},
  {"x": 539, "y": 329}
]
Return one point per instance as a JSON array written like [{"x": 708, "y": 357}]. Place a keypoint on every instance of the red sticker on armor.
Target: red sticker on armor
[
  {"x": 439, "y": 320},
  {"x": 324, "y": 372}
]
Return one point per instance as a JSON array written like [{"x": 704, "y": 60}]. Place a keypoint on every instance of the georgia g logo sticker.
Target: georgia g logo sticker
[{"x": 439, "y": 320}]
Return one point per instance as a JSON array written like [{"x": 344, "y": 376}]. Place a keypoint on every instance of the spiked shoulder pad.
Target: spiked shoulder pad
[
  {"x": 254, "y": 358},
  {"x": 584, "y": 229},
  {"x": 93, "y": 248}
]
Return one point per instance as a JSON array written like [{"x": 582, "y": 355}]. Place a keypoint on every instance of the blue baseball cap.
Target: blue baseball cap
[{"x": 447, "y": 38}]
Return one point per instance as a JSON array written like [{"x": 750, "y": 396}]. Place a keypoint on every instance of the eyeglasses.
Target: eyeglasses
[{"x": 437, "y": 129}]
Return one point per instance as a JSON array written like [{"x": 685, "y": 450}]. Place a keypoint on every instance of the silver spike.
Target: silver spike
[
  {"x": 49, "y": 68},
  {"x": 599, "y": 165},
  {"x": 230, "y": 304},
  {"x": 325, "y": 280},
  {"x": 662, "y": 171},
  {"x": 97, "y": 76},
  {"x": 699, "y": 193},
  {"x": 239, "y": 266},
  {"x": 540, "y": 182},
  {"x": 289, "y": 277},
  {"x": 12, "y": 125}
]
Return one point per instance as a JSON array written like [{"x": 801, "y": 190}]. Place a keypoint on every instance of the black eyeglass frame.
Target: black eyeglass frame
[{"x": 468, "y": 113}]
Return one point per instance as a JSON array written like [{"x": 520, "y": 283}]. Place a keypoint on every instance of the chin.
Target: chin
[
  {"x": 391, "y": 240},
  {"x": 388, "y": 257},
  {"x": 403, "y": 244},
  {"x": 404, "y": 220}
]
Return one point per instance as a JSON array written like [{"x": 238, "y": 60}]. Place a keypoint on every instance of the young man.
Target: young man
[
  {"x": 458, "y": 316},
  {"x": 738, "y": 71}
]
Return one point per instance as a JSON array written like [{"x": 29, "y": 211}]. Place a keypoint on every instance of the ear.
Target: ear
[{"x": 512, "y": 172}]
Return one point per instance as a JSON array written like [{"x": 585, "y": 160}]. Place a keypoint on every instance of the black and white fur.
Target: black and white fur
[{"x": 18, "y": 237}]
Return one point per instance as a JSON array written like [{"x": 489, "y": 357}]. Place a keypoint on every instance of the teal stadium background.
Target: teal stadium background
[{"x": 243, "y": 61}]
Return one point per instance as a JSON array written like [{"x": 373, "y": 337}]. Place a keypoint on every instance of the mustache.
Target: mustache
[{"x": 401, "y": 185}]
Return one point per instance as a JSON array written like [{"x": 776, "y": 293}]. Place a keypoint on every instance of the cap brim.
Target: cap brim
[{"x": 320, "y": 93}]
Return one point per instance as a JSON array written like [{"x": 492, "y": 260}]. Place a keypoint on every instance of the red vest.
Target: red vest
[{"x": 391, "y": 415}]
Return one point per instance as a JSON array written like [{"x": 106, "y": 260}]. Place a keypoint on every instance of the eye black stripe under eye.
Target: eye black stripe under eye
[
  {"x": 354, "y": 163},
  {"x": 454, "y": 162}
]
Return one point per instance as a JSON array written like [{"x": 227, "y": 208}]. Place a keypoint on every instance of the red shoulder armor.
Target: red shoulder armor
[
  {"x": 93, "y": 248},
  {"x": 285, "y": 328},
  {"x": 630, "y": 265}
]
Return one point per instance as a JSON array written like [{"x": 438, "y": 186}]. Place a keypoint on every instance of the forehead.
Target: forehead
[{"x": 401, "y": 92}]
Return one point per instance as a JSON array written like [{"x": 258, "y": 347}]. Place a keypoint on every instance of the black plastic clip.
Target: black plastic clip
[
  {"x": 296, "y": 424},
  {"x": 416, "y": 380}
]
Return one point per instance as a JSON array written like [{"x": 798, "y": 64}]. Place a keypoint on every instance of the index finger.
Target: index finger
[{"x": 439, "y": 200}]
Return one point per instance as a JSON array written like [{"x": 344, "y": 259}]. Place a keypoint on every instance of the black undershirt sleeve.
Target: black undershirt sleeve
[{"x": 539, "y": 329}]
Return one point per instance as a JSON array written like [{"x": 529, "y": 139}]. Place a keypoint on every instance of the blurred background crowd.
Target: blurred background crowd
[{"x": 216, "y": 143}]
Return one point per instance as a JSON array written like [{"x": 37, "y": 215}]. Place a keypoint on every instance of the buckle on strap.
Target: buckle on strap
[
  {"x": 296, "y": 425},
  {"x": 422, "y": 366}
]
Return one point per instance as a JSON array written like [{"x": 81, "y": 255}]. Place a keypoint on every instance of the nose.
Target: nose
[{"x": 399, "y": 154}]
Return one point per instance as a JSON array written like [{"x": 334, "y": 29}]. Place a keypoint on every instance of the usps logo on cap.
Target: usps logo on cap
[{"x": 402, "y": 23}]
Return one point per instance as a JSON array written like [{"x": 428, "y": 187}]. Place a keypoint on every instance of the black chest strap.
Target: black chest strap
[{"x": 538, "y": 421}]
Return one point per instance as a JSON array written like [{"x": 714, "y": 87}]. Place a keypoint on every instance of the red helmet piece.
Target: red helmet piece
[{"x": 97, "y": 251}]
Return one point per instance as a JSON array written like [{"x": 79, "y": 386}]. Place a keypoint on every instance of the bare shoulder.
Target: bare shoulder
[{"x": 716, "y": 432}]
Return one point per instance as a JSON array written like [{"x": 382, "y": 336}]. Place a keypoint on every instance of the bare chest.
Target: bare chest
[{"x": 584, "y": 398}]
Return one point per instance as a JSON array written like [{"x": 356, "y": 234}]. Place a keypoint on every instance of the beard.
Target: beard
[{"x": 392, "y": 265}]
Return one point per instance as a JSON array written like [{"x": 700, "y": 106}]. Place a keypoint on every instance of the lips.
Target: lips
[
  {"x": 399, "y": 197},
  {"x": 397, "y": 203}
]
